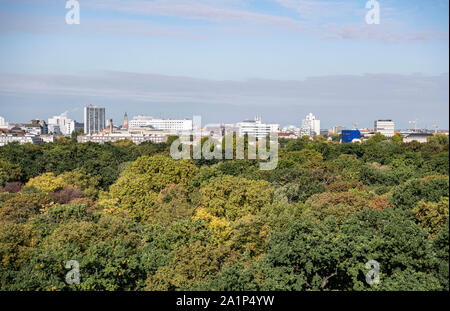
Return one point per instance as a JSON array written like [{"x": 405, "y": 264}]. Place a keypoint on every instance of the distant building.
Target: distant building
[
  {"x": 419, "y": 137},
  {"x": 47, "y": 138},
  {"x": 366, "y": 133},
  {"x": 54, "y": 129},
  {"x": 58, "y": 124},
  {"x": 290, "y": 135},
  {"x": 214, "y": 130},
  {"x": 161, "y": 124},
  {"x": 256, "y": 128},
  {"x": 125, "y": 121},
  {"x": 74, "y": 126},
  {"x": 350, "y": 136},
  {"x": 3, "y": 123},
  {"x": 62, "y": 125},
  {"x": 18, "y": 129},
  {"x": 113, "y": 137},
  {"x": 94, "y": 119},
  {"x": 21, "y": 139},
  {"x": 36, "y": 127},
  {"x": 310, "y": 126},
  {"x": 324, "y": 132},
  {"x": 385, "y": 127},
  {"x": 290, "y": 129},
  {"x": 217, "y": 131},
  {"x": 337, "y": 129}
]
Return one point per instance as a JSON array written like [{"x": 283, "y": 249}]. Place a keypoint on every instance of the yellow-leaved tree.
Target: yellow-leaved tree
[
  {"x": 49, "y": 182},
  {"x": 136, "y": 191},
  {"x": 226, "y": 200}
]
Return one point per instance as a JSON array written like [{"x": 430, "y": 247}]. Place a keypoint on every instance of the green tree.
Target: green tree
[
  {"x": 234, "y": 197},
  {"x": 432, "y": 215},
  {"x": 23, "y": 206},
  {"x": 440, "y": 139},
  {"x": 441, "y": 249},
  {"x": 191, "y": 265},
  {"x": 17, "y": 242},
  {"x": 428, "y": 189},
  {"x": 397, "y": 138},
  {"x": 8, "y": 172},
  {"x": 377, "y": 138},
  {"x": 340, "y": 205}
]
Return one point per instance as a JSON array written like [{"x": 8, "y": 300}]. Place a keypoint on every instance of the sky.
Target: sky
[{"x": 227, "y": 60}]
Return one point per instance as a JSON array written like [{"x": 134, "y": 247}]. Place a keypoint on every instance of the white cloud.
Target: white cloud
[
  {"x": 384, "y": 33},
  {"x": 309, "y": 9},
  {"x": 212, "y": 11},
  {"x": 223, "y": 16},
  {"x": 356, "y": 89},
  {"x": 340, "y": 99}
]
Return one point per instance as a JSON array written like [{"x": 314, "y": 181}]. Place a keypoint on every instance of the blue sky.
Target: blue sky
[{"x": 278, "y": 58}]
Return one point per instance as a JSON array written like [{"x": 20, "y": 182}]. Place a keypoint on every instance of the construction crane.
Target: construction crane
[
  {"x": 435, "y": 128},
  {"x": 415, "y": 124},
  {"x": 434, "y": 124}
]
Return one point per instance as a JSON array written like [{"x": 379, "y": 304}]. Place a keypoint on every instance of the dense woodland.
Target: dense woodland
[{"x": 135, "y": 219}]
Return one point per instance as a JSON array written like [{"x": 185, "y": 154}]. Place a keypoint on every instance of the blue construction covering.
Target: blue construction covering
[{"x": 349, "y": 135}]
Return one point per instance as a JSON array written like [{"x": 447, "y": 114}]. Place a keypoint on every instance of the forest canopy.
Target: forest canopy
[{"x": 135, "y": 219}]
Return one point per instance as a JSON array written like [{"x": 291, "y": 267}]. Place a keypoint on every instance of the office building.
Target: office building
[
  {"x": 62, "y": 125},
  {"x": 173, "y": 126},
  {"x": 256, "y": 128},
  {"x": 94, "y": 119},
  {"x": 113, "y": 137},
  {"x": 385, "y": 127},
  {"x": 73, "y": 126},
  {"x": 57, "y": 124}
]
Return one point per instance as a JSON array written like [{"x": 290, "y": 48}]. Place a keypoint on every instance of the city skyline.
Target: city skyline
[
  {"x": 143, "y": 120},
  {"x": 421, "y": 124},
  {"x": 227, "y": 60}
]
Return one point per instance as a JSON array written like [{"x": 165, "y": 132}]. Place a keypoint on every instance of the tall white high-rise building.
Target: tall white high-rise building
[
  {"x": 385, "y": 127},
  {"x": 310, "y": 126},
  {"x": 94, "y": 119},
  {"x": 3, "y": 123}
]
